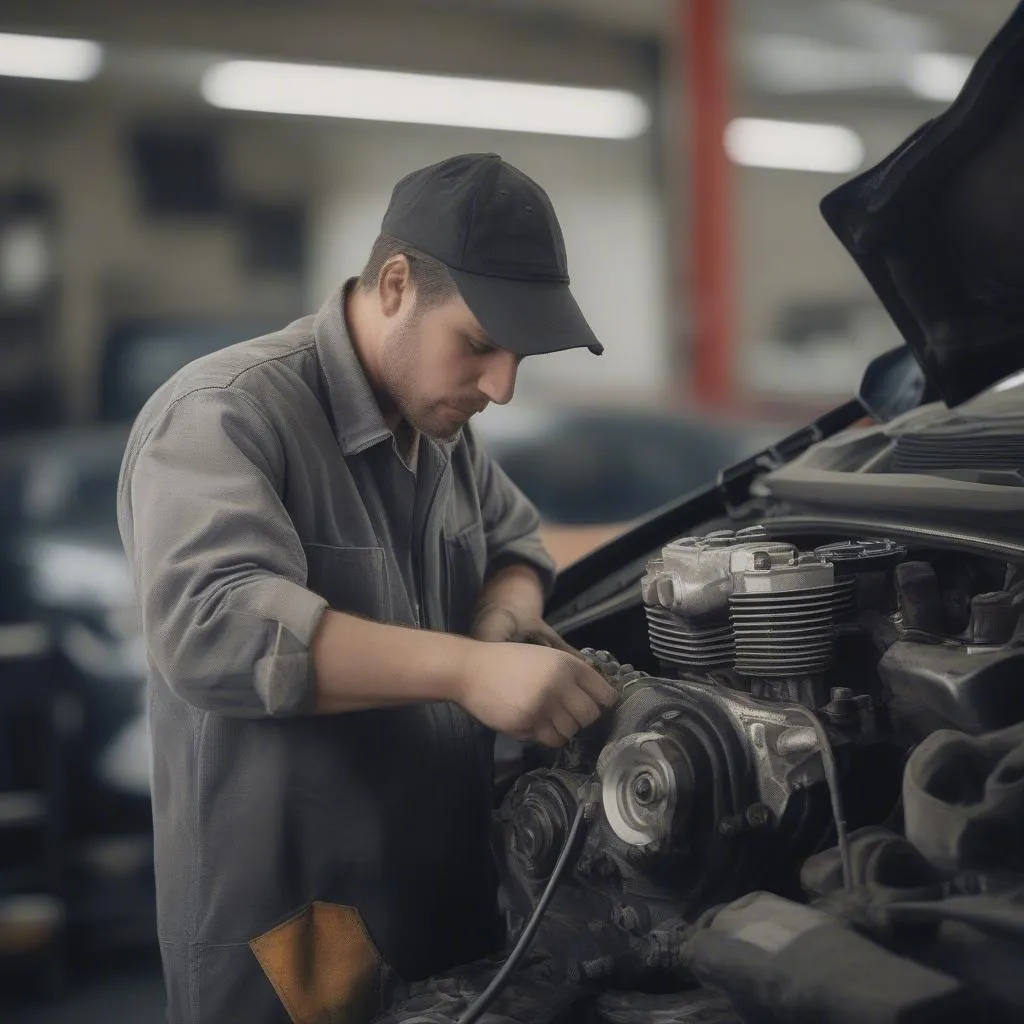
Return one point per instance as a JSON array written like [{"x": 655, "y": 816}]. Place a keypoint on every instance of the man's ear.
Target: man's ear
[{"x": 394, "y": 286}]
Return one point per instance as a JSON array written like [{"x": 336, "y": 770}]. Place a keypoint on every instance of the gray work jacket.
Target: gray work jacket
[{"x": 261, "y": 485}]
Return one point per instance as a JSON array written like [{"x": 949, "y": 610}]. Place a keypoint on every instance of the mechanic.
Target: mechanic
[{"x": 341, "y": 598}]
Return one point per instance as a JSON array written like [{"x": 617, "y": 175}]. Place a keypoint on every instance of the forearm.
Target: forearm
[
  {"x": 360, "y": 664},
  {"x": 516, "y": 588},
  {"x": 529, "y": 692}
]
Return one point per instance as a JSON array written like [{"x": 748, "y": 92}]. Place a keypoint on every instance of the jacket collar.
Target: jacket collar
[{"x": 358, "y": 421}]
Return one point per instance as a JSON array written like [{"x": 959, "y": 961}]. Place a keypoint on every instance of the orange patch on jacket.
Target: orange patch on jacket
[{"x": 323, "y": 965}]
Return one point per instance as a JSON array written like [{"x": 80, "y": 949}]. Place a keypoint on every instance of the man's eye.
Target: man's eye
[{"x": 478, "y": 347}]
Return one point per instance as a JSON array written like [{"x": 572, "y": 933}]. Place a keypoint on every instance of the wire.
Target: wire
[
  {"x": 828, "y": 761},
  {"x": 498, "y": 982}
]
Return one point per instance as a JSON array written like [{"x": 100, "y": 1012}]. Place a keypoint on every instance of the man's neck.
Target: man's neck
[
  {"x": 363, "y": 330},
  {"x": 407, "y": 441}
]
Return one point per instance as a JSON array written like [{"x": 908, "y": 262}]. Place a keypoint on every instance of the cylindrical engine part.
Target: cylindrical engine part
[
  {"x": 782, "y": 618},
  {"x": 646, "y": 782},
  {"x": 760, "y": 607},
  {"x": 993, "y": 617},
  {"x": 544, "y": 805},
  {"x": 780, "y": 636},
  {"x": 678, "y": 643}
]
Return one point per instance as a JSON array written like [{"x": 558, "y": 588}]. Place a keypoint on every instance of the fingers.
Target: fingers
[
  {"x": 549, "y": 736},
  {"x": 577, "y": 711},
  {"x": 597, "y": 687},
  {"x": 542, "y": 633},
  {"x": 546, "y": 696},
  {"x": 564, "y": 723},
  {"x": 584, "y": 710}
]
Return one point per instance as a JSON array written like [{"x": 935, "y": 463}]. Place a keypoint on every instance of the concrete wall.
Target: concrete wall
[{"x": 114, "y": 262}]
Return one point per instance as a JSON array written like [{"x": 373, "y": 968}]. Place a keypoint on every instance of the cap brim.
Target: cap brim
[{"x": 527, "y": 317}]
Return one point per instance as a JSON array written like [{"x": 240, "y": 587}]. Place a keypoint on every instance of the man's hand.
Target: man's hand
[
  {"x": 532, "y": 693},
  {"x": 495, "y": 623},
  {"x": 511, "y": 610}
]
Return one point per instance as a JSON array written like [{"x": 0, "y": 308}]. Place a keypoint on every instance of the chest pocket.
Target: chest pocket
[
  {"x": 350, "y": 579},
  {"x": 465, "y": 564}
]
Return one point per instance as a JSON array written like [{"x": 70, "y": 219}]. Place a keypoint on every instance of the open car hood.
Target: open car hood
[{"x": 937, "y": 228}]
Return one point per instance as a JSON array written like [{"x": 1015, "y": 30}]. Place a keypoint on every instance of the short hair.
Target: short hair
[{"x": 429, "y": 276}]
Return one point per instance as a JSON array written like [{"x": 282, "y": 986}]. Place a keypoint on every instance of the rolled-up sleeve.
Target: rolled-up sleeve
[
  {"x": 218, "y": 566},
  {"x": 511, "y": 522}
]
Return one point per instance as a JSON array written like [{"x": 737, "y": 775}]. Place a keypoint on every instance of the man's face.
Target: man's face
[{"x": 439, "y": 368}]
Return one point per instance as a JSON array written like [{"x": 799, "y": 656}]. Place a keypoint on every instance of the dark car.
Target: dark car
[
  {"x": 589, "y": 466},
  {"x": 593, "y": 471}
]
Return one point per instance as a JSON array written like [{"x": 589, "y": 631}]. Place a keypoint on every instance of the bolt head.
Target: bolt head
[
  {"x": 645, "y": 789},
  {"x": 758, "y": 815}
]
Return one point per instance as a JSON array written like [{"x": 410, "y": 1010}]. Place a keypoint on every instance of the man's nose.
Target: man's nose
[{"x": 498, "y": 383}]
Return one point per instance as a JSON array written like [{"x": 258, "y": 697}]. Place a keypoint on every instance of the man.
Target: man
[{"x": 311, "y": 524}]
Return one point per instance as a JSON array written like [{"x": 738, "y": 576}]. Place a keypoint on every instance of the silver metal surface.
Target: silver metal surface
[
  {"x": 639, "y": 787},
  {"x": 745, "y": 602},
  {"x": 695, "y": 576}
]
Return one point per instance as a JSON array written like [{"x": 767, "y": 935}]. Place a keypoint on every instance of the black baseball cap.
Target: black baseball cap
[{"x": 496, "y": 231}]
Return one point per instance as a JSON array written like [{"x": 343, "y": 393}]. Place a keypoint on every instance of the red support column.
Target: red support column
[{"x": 702, "y": 39}]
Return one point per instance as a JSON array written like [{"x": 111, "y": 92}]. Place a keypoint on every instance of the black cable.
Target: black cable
[
  {"x": 498, "y": 982},
  {"x": 828, "y": 763}
]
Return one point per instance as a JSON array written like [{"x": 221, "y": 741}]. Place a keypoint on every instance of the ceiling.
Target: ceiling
[
  {"x": 961, "y": 24},
  {"x": 796, "y": 48}
]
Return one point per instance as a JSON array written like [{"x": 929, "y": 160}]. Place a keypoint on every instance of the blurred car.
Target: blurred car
[
  {"x": 592, "y": 471},
  {"x": 62, "y": 567}
]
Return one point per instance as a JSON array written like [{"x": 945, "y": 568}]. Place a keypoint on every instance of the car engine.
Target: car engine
[
  {"x": 711, "y": 771},
  {"x": 817, "y": 762}
]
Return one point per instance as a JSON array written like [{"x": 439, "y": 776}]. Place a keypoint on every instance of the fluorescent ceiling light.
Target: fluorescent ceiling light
[
  {"x": 795, "y": 65},
  {"x": 938, "y": 76},
  {"x": 69, "y": 60},
  {"x": 793, "y": 145},
  {"x": 363, "y": 94}
]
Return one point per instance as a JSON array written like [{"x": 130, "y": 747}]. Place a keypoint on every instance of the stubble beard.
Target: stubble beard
[{"x": 398, "y": 377}]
